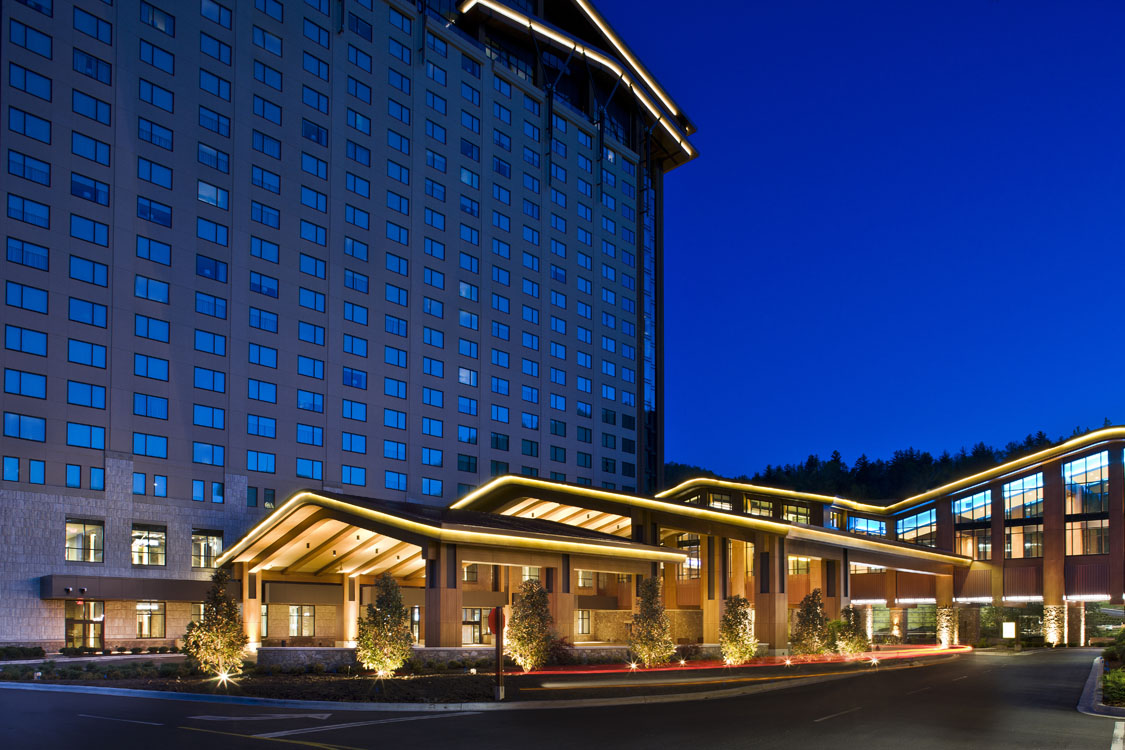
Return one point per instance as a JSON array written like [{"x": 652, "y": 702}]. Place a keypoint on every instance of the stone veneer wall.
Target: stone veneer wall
[
  {"x": 325, "y": 625},
  {"x": 33, "y": 537},
  {"x": 612, "y": 625}
]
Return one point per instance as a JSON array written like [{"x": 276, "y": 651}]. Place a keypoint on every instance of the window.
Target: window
[
  {"x": 1087, "y": 537},
  {"x": 150, "y": 620},
  {"x": 799, "y": 566},
  {"x": 302, "y": 620},
  {"x": 85, "y": 541},
  {"x": 867, "y": 526},
  {"x": 150, "y": 544},
  {"x": 975, "y": 508},
  {"x": 31, "y": 126},
  {"x": 206, "y": 547},
  {"x": 1086, "y": 485},
  {"x": 920, "y": 528},
  {"x": 973, "y": 543},
  {"x": 1023, "y": 541},
  {"x": 690, "y": 568}
]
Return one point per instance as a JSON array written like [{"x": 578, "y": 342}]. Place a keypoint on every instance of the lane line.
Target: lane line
[
  {"x": 1118, "y": 736},
  {"x": 302, "y": 743},
  {"x": 833, "y": 716},
  {"x": 260, "y": 717},
  {"x": 349, "y": 725},
  {"x": 962, "y": 677},
  {"x": 129, "y": 721},
  {"x": 912, "y": 692}
]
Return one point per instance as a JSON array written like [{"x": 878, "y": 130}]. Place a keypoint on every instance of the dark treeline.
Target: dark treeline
[{"x": 907, "y": 472}]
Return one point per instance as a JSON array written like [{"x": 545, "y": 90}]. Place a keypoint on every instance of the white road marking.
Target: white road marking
[
  {"x": 1118, "y": 736},
  {"x": 912, "y": 692},
  {"x": 833, "y": 716},
  {"x": 261, "y": 717},
  {"x": 962, "y": 677},
  {"x": 308, "y": 730},
  {"x": 114, "y": 718}
]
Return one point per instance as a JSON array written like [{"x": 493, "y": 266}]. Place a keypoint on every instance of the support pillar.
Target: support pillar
[
  {"x": 738, "y": 554},
  {"x": 1057, "y": 627},
  {"x": 946, "y": 616},
  {"x": 710, "y": 593},
  {"x": 443, "y": 596},
  {"x": 348, "y": 626},
  {"x": 251, "y": 605},
  {"x": 771, "y": 603},
  {"x": 560, "y": 596},
  {"x": 1116, "y": 527}
]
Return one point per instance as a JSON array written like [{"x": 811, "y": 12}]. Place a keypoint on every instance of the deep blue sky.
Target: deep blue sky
[{"x": 906, "y": 228}]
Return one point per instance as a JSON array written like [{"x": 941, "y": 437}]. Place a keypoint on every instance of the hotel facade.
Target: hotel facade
[{"x": 372, "y": 247}]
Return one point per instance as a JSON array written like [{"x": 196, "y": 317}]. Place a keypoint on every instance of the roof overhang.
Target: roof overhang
[
  {"x": 503, "y": 491},
  {"x": 663, "y": 111},
  {"x": 305, "y": 508}
]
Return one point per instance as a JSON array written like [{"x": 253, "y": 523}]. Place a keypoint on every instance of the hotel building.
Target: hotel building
[{"x": 367, "y": 247}]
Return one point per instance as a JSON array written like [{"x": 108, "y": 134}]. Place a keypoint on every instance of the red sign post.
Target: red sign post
[{"x": 496, "y": 627}]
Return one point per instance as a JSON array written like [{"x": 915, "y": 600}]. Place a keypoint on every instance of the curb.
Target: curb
[
  {"x": 448, "y": 707},
  {"x": 91, "y": 659},
  {"x": 1091, "y": 701}
]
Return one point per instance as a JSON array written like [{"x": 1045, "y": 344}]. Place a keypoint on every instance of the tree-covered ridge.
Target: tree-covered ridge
[{"x": 908, "y": 472}]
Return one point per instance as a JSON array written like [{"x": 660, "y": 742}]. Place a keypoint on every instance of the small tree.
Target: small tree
[
  {"x": 384, "y": 639},
  {"x": 651, "y": 639},
  {"x": 528, "y": 636},
  {"x": 850, "y": 636},
  {"x": 217, "y": 641},
  {"x": 810, "y": 633},
  {"x": 736, "y": 631}
]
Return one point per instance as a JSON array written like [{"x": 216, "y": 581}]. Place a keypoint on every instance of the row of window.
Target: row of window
[{"x": 85, "y": 542}]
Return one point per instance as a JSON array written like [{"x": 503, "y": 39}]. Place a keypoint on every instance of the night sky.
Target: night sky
[{"x": 905, "y": 227}]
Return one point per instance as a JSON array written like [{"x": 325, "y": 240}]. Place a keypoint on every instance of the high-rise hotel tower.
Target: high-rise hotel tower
[{"x": 385, "y": 248}]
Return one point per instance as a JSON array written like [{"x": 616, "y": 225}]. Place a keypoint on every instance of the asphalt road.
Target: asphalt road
[{"x": 992, "y": 702}]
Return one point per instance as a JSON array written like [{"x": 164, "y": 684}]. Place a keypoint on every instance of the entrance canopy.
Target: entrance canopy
[{"x": 330, "y": 534}]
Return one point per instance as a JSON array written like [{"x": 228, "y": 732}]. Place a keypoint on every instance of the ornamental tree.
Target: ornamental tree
[
  {"x": 848, "y": 635},
  {"x": 384, "y": 640},
  {"x": 217, "y": 641},
  {"x": 528, "y": 635},
  {"x": 736, "y": 631},
  {"x": 651, "y": 638},
  {"x": 810, "y": 633}
]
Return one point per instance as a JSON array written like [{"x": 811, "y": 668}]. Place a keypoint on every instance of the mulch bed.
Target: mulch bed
[{"x": 432, "y": 689}]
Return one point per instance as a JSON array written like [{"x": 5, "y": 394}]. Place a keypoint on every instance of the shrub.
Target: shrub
[
  {"x": 136, "y": 650},
  {"x": 689, "y": 652},
  {"x": 384, "y": 640},
  {"x": 528, "y": 636},
  {"x": 317, "y": 667},
  {"x": 810, "y": 633},
  {"x": 1113, "y": 686},
  {"x": 217, "y": 641},
  {"x": 848, "y": 635},
  {"x": 651, "y": 639},
  {"x": 560, "y": 651},
  {"x": 154, "y": 649},
  {"x": 736, "y": 632}
]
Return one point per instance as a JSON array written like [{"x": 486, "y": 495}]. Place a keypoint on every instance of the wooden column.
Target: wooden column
[
  {"x": 710, "y": 586},
  {"x": 348, "y": 627},
  {"x": 738, "y": 567},
  {"x": 443, "y": 596},
  {"x": 1054, "y": 537},
  {"x": 560, "y": 595},
  {"x": 251, "y": 604},
  {"x": 997, "y": 562},
  {"x": 771, "y": 604},
  {"x": 1116, "y": 526}
]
